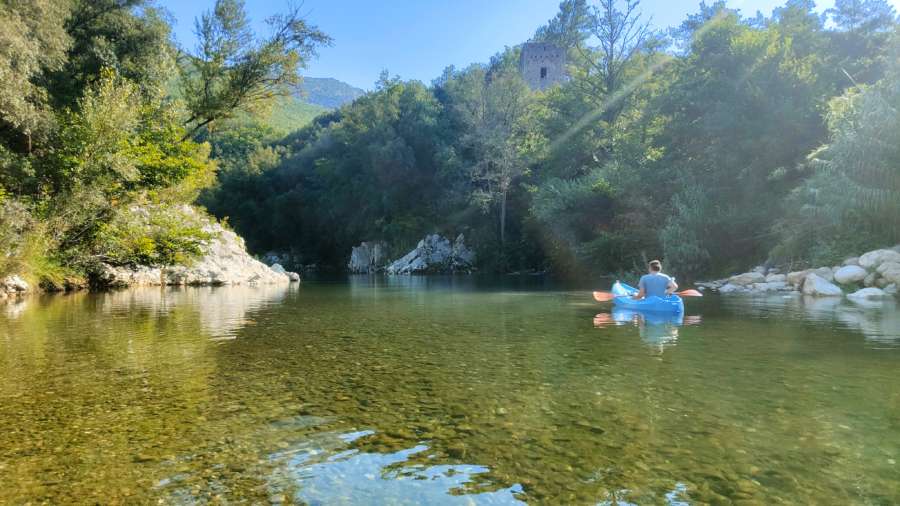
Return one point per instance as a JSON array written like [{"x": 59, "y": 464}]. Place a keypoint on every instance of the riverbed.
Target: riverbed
[{"x": 445, "y": 390}]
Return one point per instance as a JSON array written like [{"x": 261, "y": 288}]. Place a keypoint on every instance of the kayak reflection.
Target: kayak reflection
[{"x": 655, "y": 328}]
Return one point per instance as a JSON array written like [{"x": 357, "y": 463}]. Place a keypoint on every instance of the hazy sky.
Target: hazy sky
[{"x": 416, "y": 39}]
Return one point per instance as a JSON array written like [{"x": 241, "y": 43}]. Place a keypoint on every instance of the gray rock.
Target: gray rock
[
  {"x": 870, "y": 279},
  {"x": 851, "y": 261},
  {"x": 368, "y": 257},
  {"x": 890, "y": 272},
  {"x": 818, "y": 286},
  {"x": 868, "y": 293},
  {"x": 891, "y": 289},
  {"x": 747, "y": 278},
  {"x": 825, "y": 273},
  {"x": 873, "y": 259},
  {"x": 796, "y": 278},
  {"x": 850, "y": 274},
  {"x": 732, "y": 288},
  {"x": 14, "y": 285},
  {"x": 776, "y": 278},
  {"x": 434, "y": 254}
]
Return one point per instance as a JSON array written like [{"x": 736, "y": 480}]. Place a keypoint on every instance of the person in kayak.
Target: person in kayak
[{"x": 655, "y": 283}]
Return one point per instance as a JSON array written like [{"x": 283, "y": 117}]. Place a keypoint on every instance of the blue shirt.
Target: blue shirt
[{"x": 655, "y": 284}]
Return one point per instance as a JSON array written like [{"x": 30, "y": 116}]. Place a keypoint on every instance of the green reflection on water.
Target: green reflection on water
[{"x": 423, "y": 390}]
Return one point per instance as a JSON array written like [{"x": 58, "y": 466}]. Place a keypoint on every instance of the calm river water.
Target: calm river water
[{"x": 445, "y": 391}]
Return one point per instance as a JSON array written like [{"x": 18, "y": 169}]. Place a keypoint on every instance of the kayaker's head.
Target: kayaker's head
[{"x": 655, "y": 266}]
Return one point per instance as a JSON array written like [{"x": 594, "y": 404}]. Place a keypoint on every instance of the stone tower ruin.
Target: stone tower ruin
[{"x": 542, "y": 64}]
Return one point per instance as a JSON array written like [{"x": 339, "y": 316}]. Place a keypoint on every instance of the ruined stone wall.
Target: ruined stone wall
[{"x": 542, "y": 65}]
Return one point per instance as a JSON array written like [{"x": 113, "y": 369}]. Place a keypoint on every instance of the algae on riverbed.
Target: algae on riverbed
[{"x": 339, "y": 393}]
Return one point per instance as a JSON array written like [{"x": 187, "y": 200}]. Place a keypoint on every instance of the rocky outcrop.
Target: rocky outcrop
[
  {"x": 13, "y": 286},
  {"x": 878, "y": 270},
  {"x": 225, "y": 261},
  {"x": 435, "y": 254},
  {"x": 368, "y": 257}
]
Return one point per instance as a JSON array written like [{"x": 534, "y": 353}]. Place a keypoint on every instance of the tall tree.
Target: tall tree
[
  {"x": 569, "y": 28},
  {"x": 232, "y": 69},
  {"x": 33, "y": 42}
]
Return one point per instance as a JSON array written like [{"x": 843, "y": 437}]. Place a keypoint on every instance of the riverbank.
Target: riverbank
[
  {"x": 224, "y": 261},
  {"x": 872, "y": 275}
]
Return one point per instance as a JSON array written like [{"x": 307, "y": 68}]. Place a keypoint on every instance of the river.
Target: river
[{"x": 442, "y": 390}]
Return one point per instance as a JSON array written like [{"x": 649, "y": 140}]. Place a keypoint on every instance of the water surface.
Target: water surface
[{"x": 445, "y": 391}]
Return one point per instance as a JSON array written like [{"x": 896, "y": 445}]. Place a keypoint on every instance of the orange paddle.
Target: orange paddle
[{"x": 606, "y": 296}]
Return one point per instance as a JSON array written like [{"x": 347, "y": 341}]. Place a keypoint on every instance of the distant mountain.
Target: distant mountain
[{"x": 327, "y": 92}]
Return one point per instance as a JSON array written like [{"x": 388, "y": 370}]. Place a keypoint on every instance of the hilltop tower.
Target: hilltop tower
[{"x": 542, "y": 64}]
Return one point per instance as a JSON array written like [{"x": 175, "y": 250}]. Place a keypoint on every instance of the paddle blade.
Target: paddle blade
[
  {"x": 690, "y": 293},
  {"x": 603, "y": 296}
]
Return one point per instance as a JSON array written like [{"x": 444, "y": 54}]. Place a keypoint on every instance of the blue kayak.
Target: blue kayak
[{"x": 623, "y": 293}]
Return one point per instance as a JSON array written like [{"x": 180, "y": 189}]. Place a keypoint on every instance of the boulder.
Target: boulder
[
  {"x": 850, "y": 274},
  {"x": 796, "y": 278},
  {"x": 873, "y": 259},
  {"x": 868, "y": 293},
  {"x": 890, "y": 272},
  {"x": 747, "y": 278},
  {"x": 851, "y": 261},
  {"x": 819, "y": 286},
  {"x": 825, "y": 273},
  {"x": 293, "y": 276},
  {"x": 776, "y": 278},
  {"x": 368, "y": 257},
  {"x": 434, "y": 254},
  {"x": 891, "y": 289}
]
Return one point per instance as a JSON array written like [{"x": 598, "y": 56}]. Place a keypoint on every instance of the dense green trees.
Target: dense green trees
[
  {"x": 96, "y": 157},
  {"x": 728, "y": 141},
  {"x": 693, "y": 148}
]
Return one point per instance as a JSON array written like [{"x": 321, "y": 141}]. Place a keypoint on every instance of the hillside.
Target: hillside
[{"x": 328, "y": 92}]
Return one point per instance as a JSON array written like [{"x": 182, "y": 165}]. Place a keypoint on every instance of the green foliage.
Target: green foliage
[
  {"x": 327, "y": 93},
  {"x": 152, "y": 235},
  {"x": 233, "y": 71},
  {"x": 33, "y": 41},
  {"x": 852, "y": 200}
]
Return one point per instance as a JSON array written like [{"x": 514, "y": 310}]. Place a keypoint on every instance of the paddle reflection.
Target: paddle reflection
[{"x": 656, "y": 329}]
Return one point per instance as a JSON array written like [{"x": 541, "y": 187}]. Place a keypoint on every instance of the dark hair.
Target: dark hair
[{"x": 656, "y": 266}]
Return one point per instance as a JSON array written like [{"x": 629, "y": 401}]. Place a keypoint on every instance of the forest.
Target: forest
[{"x": 720, "y": 143}]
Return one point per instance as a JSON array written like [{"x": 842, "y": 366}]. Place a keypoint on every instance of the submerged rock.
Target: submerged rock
[
  {"x": 816, "y": 285},
  {"x": 435, "y": 254},
  {"x": 868, "y": 293},
  {"x": 368, "y": 257}
]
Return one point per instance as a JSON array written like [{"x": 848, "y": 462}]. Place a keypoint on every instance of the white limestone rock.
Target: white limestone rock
[
  {"x": 776, "y": 278},
  {"x": 434, "y": 254},
  {"x": 818, "y": 286},
  {"x": 225, "y": 261},
  {"x": 368, "y": 257}
]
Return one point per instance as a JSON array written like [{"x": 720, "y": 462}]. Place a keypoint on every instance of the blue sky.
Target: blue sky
[{"x": 416, "y": 39}]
